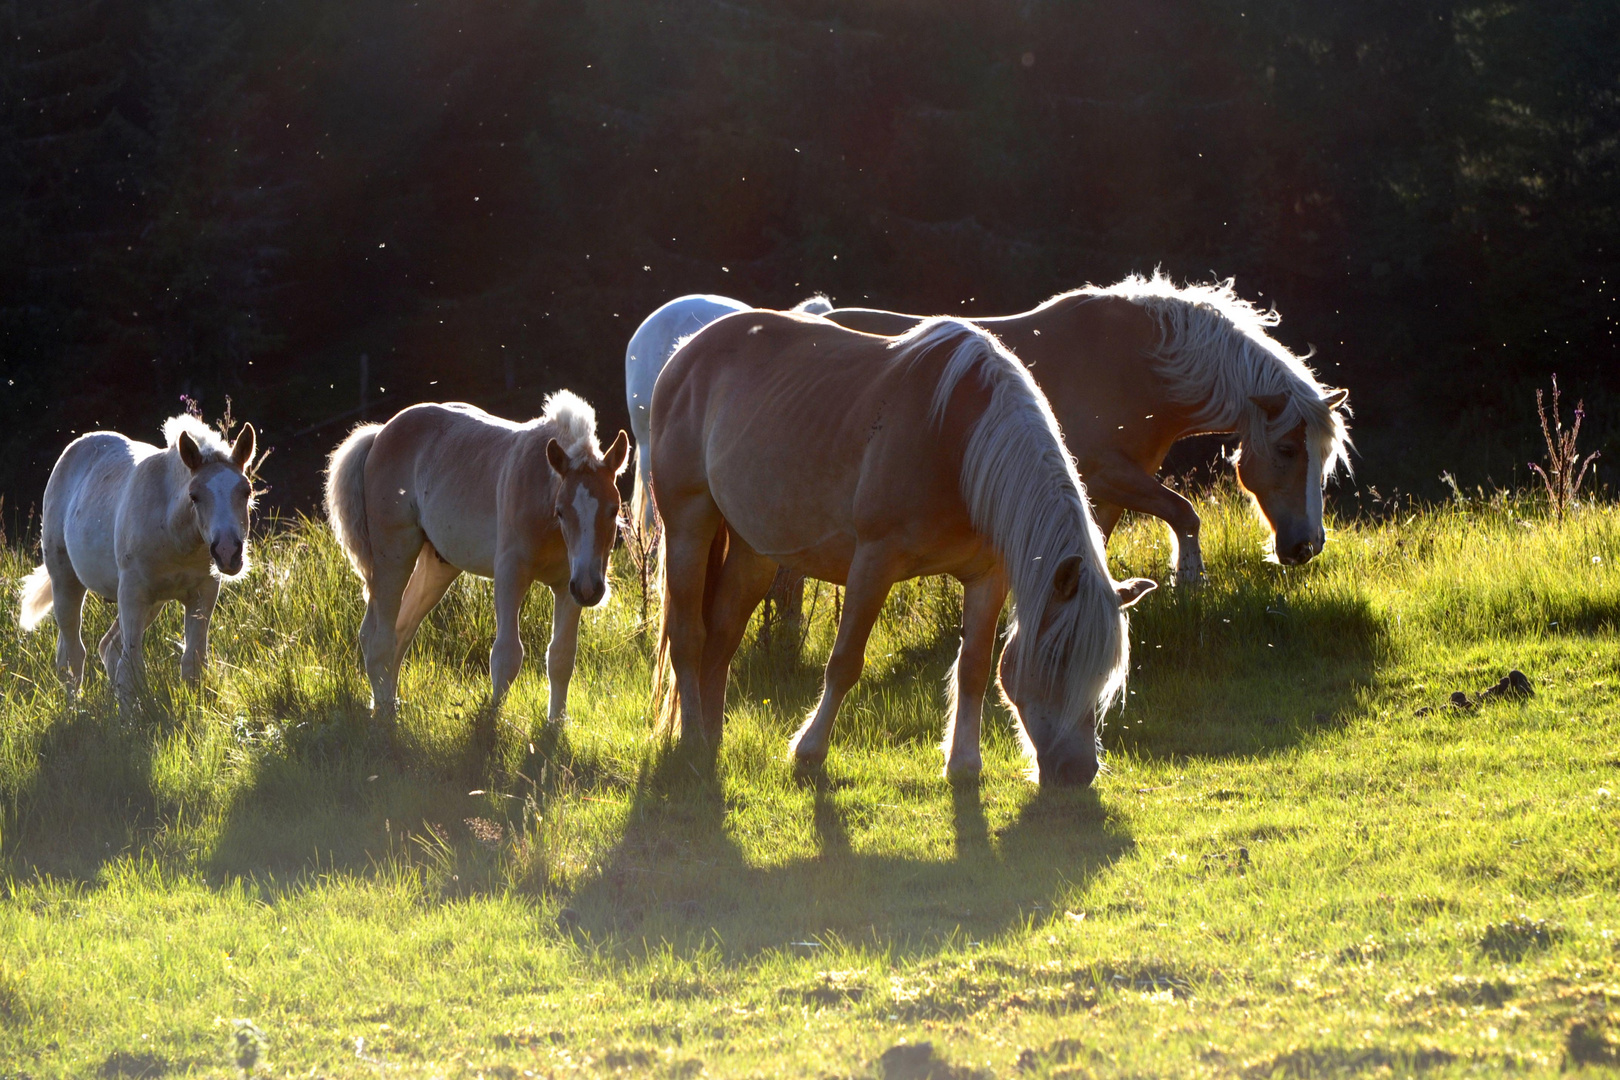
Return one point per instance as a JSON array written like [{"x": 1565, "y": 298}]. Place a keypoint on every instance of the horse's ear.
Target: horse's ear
[
  {"x": 189, "y": 452},
  {"x": 1066, "y": 579},
  {"x": 1129, "y": 592},
  {"x": 1335, "y": 398},
  {"x": 557, "y": 456},
  {"x": 618, "y": 455},
  {"x": 1271, "y": 404},
  {"x": 247, "y": 442}
]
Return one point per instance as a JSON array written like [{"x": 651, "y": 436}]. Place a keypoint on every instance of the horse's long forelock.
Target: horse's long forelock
[
  {"x": 1215, "y": 353},
  {"x": 1023, "y": 492},
  {"x": 213, "y": 446},
  {"x": 574, "y": 426}
]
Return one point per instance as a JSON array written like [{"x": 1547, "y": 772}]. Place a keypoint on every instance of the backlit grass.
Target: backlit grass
[{"x": 1300, "y": 862}]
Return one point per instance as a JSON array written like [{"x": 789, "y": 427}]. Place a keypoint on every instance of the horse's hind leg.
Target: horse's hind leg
[
  {"x": 690, "y": 531},
  {"x": 870, "y": 578},
  {"x": 199, "y": 609},
  {"x": 429, "y": 582},
  {"x": 109, "y": 649},
  {"x": 981, "y": 609},
  {"x": 745, "y": 578},
  {"x": 67, "y": 604},
  {"x": 391, "y": 565}
]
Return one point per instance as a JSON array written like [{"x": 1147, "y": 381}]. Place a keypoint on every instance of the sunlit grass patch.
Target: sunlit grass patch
[{"x": 1303, "y": 860}]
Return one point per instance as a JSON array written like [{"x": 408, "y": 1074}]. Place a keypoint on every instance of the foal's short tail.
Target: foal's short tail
[
  {"x": 346, "y": 496},
  {"x": 36, "y": 598}
]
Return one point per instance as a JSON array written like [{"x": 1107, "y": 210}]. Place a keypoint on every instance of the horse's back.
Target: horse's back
[
  {"x": 801, "y": 431},
  {"x": 83, "y": 498},
  {"x": 438, "y": 467},
  {"x": 655, "y": 339}
]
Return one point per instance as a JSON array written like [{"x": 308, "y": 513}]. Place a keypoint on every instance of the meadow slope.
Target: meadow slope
[{"x": 1300, "y": 862}]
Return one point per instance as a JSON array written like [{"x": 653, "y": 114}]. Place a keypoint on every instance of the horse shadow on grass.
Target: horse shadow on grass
[
  {"x": 91, "y": 794},
  {"x": 348, "y": 795},
  {"x": 1245, "y": 668},
  {"x": 1248, "y": 664},
  {"x": 678, "y": 878}
]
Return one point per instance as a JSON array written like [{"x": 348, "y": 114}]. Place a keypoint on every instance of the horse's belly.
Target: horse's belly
[
  {"x": 466, "y": 542},
  {"x": 88, "y": 534}
]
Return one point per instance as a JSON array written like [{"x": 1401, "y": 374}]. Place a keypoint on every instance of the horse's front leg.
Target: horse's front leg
[
  {"x": 135, "y": 614},
  {"x": 1122, "y": 485},
  {"x": 870, "y": 579},
  {"x": 560, "y": 653},
  {"x": 981, "y": 610},
  {"x": 511, "y": 586},
  {"x": 199, "y": 610}
]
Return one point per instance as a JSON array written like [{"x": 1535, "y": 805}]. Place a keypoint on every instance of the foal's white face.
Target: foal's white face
[
  {"x": 1064, "y": 745},
  {"x": 221, "y": 495},
  {"x": 587, "y": 509}
]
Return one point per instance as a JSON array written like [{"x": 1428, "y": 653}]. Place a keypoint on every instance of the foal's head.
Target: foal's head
[
  {"x": 221, "y": 495},
  {"x": 1284, "y": 471},
  {"x": 1055, "y": 672},
  {"x": 587, "y": 508}
]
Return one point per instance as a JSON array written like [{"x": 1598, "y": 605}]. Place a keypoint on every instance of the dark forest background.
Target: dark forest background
[{"x": 484, "y": 197}]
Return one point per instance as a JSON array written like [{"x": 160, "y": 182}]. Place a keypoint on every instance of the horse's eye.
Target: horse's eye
[
  {"x": 193, "y": 496},
  {"x": 1287, "y": 450}
]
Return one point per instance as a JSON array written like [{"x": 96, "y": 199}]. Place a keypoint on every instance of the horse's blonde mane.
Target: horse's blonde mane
[
  {"x": 574, "y": 426},
  {"x": 1023, "y": 492},
  {"x": 210, "y": 442},
  {"x": 1215, "y": 351}
]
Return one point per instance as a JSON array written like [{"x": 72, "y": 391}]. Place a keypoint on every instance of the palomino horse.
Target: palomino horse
[
  {"x": 1133, "y": 367},
  {"x": 140, "y": 526},
  {"x": 781, "y": 439},
  {"x": 649, "y": 350},
  {"x": 440, "y": 489}
]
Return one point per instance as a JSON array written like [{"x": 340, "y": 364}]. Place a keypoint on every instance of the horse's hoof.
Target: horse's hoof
[
  {"x": 966, "y": 772},
  {"x": 806, "y": 761}
]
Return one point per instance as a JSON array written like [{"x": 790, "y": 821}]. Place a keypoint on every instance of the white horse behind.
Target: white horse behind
[
  {"x": 649, "y": 350},
  {"x": 140, "y": 525}
]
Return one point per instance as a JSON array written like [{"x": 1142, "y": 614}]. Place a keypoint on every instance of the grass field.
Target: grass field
[{"x": 1301, "y": 863}]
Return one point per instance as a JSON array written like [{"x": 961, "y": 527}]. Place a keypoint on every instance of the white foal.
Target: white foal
[{"x": 140, "y": 526}]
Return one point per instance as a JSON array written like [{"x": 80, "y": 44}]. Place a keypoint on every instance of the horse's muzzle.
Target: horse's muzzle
[
  {"x": 1302, "y": 552},
  {"x": 588, "y": 594},
  {"x": 227, "y": 556},
  {"x": 1072, "y": 772}
]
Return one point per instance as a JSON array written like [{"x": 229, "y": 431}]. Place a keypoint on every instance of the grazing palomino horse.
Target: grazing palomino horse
[
  {"x": 781, "y": 439},
  {"x": 649, "y": 350},
  {"x": 442, "y": 489},
  {"x": 140, "y": 526},
  {"x": 1131, "y": 368}
]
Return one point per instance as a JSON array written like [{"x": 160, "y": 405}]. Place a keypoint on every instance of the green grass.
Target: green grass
[{"x": 1299, "y": 863}]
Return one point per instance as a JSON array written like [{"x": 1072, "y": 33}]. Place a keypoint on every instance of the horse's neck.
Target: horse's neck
[{"x": 173, "y": 481}]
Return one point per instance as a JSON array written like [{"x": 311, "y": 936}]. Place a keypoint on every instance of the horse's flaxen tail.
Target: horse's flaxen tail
[
  {"x": 36, "y": 598},
  {"x": 640, "y": 497},
  {"x": 346, "y": 496}
]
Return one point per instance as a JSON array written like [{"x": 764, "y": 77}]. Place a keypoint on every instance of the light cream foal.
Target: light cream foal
[
  {"x": 442, "y": 489},
  {"x": 140, "y": 525}
]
